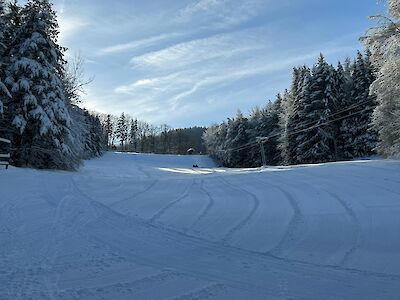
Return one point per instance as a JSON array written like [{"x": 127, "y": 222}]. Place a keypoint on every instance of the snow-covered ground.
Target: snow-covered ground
[{"x": 133, "y": 226}]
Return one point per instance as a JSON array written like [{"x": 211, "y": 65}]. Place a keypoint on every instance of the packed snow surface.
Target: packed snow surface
[{"x": 132, "y": 226}]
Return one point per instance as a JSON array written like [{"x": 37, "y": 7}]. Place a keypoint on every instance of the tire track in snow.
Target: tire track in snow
[
  {"x": 355, "y": 225},
  {"x": 153, "y": 183},
  {"x": 293, "y": 229},
  {"x": 172, "y": 203},
  {"x": 205, "y": 212},
  {"x": 355, "y": 222},
  {"x": 246, "y": 220}
]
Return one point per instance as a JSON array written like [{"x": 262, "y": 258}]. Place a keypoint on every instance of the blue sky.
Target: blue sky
[{"x": 195, "y": 62}]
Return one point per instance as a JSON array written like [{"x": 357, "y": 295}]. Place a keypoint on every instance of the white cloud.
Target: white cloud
[
  {"x": 220, "y": 14},
  {"x": 191, "y": 52},
  {"x": 199, "y": 65},
  {"x": 156, "y": 84},
  {"x": 181, "y": 90},
  {"x": 200, "y": 6},
  {"x": 124, "y": 47}
]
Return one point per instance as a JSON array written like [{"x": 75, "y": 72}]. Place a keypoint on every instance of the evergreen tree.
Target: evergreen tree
[
  {"x": 358, "y": 138},
  {"x": 384, "y": 41},
  {"x": 255, "y": 121},
  {"x": 133, "y": 134},
  {"x": 236, "y": 137},
  {"x": 94, "y": 143},
  {"x": 269, "y": 127},
  {"x": 284, "y": 121},
  {"x": 289, "y": 117},
  {"x": 344, "y": 102},
  {"x": 108, "y": 127},
  {"x": 40, "y": 113},
  {"x": 122, "y": 130},
  {"x": 4, "y": 94},
  {"x": 315, "y": 143},
  {"x": 214, "y": 139}
]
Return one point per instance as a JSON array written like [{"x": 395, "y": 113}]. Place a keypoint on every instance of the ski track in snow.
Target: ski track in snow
[
  {"x": 205, "y": 212},
  {"x": 144, "y": 191},
  {"x": 82, "y": 248},
  {"x": 355, "y": 225},
  {"x": 247, "y": 219},
  {"x": 253, "y": 259},
  {"x": 163, "y": 210},
  {"x": 292, "y": 231}
]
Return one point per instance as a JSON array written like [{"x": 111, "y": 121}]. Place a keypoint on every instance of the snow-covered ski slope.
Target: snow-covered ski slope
[{"x": 133, "y": 226}]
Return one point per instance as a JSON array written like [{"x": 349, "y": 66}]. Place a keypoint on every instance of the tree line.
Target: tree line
[
  {"x": 328, "y": 114},
  {"x": 130, "y": 134},
  {"x": 38, "y": 93},
  {"x": 324, "y": 116}
]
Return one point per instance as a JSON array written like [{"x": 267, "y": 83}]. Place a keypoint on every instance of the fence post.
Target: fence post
[{"x": 6, "y": 155}]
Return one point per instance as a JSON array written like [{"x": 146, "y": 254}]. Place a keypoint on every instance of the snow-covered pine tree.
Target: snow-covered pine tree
[
  {"x": 334, "y": 94},
  {"x": 122, "y": 130},
  {"x": 237, "y": 136},
  {"x": 33, "y": 77},
  {"x": 343, "y": 87},
  {"x": 3, "y": 90},
  {"x": 108, "y": 128},
  {"x": 315, "y": 143},
  {"x": 95, "y": 144},
  {"x": 269, "y": 127},
  {"x": 133, "y": 134},
  {"x": 5, "y": 96},
  {"x": 288, "y": 119},
  {"x": 286, "y": 112},
  {"x": 358, "y": 138},
  {"x": 384, "y": 41},
  {"x": 302, "y": 121},
  {"x": 255, "y": 120},
  {"x": 214, "y": 138}
]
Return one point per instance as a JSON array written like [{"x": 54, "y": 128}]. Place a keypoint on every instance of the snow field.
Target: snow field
[{"x": 131, "y": 226}]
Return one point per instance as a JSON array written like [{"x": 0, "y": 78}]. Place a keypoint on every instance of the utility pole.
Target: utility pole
[{"x": 261, "y": 141}]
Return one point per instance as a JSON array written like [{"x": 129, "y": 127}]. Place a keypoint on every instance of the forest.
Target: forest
[
  {"x": 324, "y": 116},
  {"x": 127, "y": 134}
]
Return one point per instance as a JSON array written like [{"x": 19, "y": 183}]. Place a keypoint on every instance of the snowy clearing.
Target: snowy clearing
[{"x": 131, "y": 226}]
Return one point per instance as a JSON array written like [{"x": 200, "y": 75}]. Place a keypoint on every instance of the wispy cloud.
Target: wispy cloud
[
  {"x": 200, "y": 6},
  {"x": 178, "y": 91},
  {"x": 198, "y": 50},
  {"x": 137, "y": 44},
  {"x": 219, "y": 14},
  {"x": 197, "y": 61}
]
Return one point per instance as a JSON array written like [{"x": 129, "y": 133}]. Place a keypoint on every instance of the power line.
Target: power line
[{"x": 263, "y": 139}]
